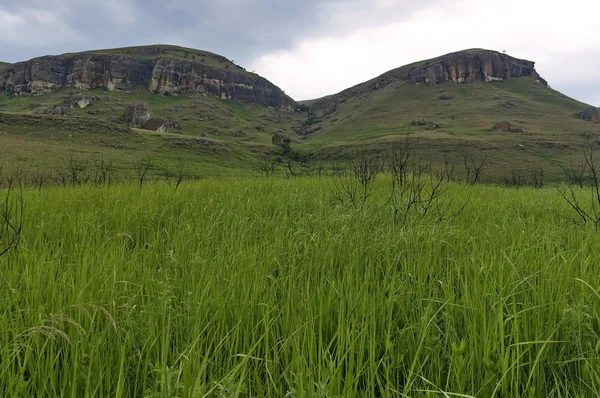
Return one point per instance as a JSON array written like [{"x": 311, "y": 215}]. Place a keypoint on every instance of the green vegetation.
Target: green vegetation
[
  {"x": 270, "y": 288},
  {"x": 239, "y": 132},
  {"x": 3, "y": 65},
  {"x": 551, "y": 132},
  {"x": 215, "y": 137},
  {"x": 223, "y": 137}
]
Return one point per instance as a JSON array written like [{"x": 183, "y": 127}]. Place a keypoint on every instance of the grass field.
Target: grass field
[{"x": 270, "y": 288}]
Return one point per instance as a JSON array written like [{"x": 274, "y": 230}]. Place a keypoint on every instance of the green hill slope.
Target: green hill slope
[
  {"x": 213, "y": 132},
  {"x": 3, "y": 65},
  {"x": 212, "y": 135},
  {"x": 459, "y": 119}
]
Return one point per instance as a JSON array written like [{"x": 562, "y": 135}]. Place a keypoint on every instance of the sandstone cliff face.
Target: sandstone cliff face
[
  {"x": 44, "y": 74},
  {"x": 467, "y": 67},
  {"x": 173, "y": 77},
  {"x": 460, "y": 67},
  {"x": 161, "y": 76}
]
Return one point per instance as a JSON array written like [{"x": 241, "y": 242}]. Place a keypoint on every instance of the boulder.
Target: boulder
[
  {"x": 42, "y": 111},
  {"x": 156, "y": 124},
  {"x": 78, "y": 101},
  {"x": 445, "y": 97},
  {"x": 502, "y": 125},
  {"x": 432, "y": 126},
  {"x": 418, "y": 122},
  {"x": 137, "y": 114},
  {"x": 590, "y": 114}
]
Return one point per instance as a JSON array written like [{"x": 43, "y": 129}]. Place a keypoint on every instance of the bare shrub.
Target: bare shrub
[
  {"x": 142, "y": 169},
  {"x": 265, "y": 167},
  {"x": 11, "y": 221},
  {"x": 473, "y": 169},
  {"x": 356, "y": 184},
  {"x": 585, "y": 208}
]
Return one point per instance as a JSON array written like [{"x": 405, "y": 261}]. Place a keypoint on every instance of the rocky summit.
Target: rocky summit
[
  {"x": 164, "y": 70},
  {"x": 466, "y": 67}
]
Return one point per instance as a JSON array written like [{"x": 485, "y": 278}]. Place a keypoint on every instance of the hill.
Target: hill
[
  {"x": 3, "y": 65},
  {"x": 451, "y": 104},
  {"x": 217, "y": 118},
  {"x": 209, "y": 104}
]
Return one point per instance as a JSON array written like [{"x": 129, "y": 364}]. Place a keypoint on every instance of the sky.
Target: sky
[{"x": 312, "y": 48}]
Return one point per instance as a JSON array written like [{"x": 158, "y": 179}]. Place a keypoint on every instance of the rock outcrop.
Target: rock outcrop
[
  {"x": 161, "y": 75},
  {"x": 590, "y": 114},
  {"x": 137, "y": 114},
  {"x": 466, "y": 67},
  {"x": 156, "y": 124},
  {"x": 78, "y": 101},
  {"x": 502, "y": 125},
  {"x": 461, "y": 67}
]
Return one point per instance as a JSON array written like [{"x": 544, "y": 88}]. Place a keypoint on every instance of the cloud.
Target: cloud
[
  {"x": 562, "y": 41},
  {"x": 318, "y": 47},
  {"x": 30, "y": 27}
]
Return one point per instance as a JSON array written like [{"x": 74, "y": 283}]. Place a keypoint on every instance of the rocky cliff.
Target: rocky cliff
[
  {"x": 466, "y": 67},
  {"x": 461, "y": 67},
  {"x": 160, "y": 74}
]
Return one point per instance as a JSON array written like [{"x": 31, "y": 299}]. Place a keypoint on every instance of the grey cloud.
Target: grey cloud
[{"x": 238, "y": 29}]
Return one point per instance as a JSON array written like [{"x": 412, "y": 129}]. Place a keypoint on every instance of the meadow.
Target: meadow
[{"x": 271, "y": 287}]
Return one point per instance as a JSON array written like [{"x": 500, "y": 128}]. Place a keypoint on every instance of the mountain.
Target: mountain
[
  {"x": 205, "y": 109},
  {"x": 164, "y": 70},
  {"x": 3, "y": 65},
  {"x": 451, "y": 104},
  {"x": 201, "y": 110}
]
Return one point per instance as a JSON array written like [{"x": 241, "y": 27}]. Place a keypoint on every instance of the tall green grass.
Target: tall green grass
[{"x": 268, "y": 288}]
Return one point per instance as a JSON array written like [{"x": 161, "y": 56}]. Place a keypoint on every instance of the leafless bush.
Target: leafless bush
[
  {"x": 575, "y": 174},
  {"x": 515, "y": 179},
  {"x": 15, "y": 178},
  {"x": 417, "y": 191},
  {"x": 265, "y": 167},
  {"x": 449, "y": 168},
  {"x": 142, "y": 168},
  {"x": 180, "y": 174},
  {"x": 104, "y": 171},
  {"x": 319, "y": 166},
  {"x": 75, "y": 169},
  {"x": 356, "y": 185},
  {"x": 39, "y": 178},
  {"x": 587, "y": 211},
  {"x": 11, "y": 221},
  {"x": 537, "y": 178},
  {"x": 473, "y": 169}
]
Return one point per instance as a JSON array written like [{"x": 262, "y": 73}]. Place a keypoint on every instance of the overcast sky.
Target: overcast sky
[{"x": 312, "y": 48}]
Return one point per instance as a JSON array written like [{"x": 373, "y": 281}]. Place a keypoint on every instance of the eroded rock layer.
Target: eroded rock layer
[
  {"x": 468, "y": 66},
  {"x": 160, "y": 75}
]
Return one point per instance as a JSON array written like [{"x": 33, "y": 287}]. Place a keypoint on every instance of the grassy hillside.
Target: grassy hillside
[
  {"x": 215, "y": 136},
  {"x": 3, "y": 65},
  {"x": 209, "y": 291},
  {"x": 550, "y": 133},
  {"x": 225, "y": 137}
]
